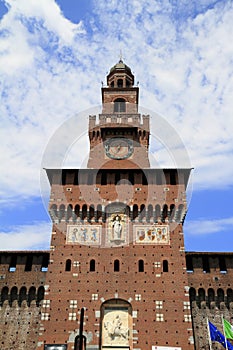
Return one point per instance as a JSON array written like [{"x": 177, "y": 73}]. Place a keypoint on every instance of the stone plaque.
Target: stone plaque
[
  {"x": 155, "y": 234},
  {"x": 84, "y": 234}
]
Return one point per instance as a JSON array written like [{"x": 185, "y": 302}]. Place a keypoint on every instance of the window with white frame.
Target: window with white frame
[
  {"x": 159, "y": 317},
  {"x": 72, "y": 316},
  {"x": 159, "y": 304}
]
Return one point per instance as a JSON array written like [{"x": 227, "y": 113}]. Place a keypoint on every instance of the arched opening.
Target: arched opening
[
  {"x": 14, "y": 294},
  {"x": 220, "y": 296},
  {"x": 69, "y": 211},
  {"x": 84, "y": 211},
  {"x": 135, "y": 211},
  {"x": 99, "y": 212},
  {"x": 140, "y": 265},
  {"x": 211, "y": 296},
  {"x": 157, "y": 212},
  {"x": 77, "y": 210},
  {"x": 120, "y": 83},
  {"x": 119, "y": 105},
  {"x": 22, "y": 295},
  {"x": 92, "y": 265},
  {"x": 31, "y": 295},
  {"x": 229, "y": 296},
  {"x": 116, "y": 325},
  {"x": 68, "y": 265},
  {"x": 142, "y": 212},
  {"x": 4, "y": 294},
  {"x": 61, "y": 211},
  {"x": 164, "y": 212},
  {"x": 116, "y": 265},
  {"x": 180, "y": 213},
  {"x": 149, "y": 212},
  {"x": 165, "y": 266},
  {"x": 172, "y": 212},
  {"x": 192, "y": 294},
  {"x": 91, "y": 212},
  {"x": 40, "y": 294},
  {"x": 201, "y": 296}
]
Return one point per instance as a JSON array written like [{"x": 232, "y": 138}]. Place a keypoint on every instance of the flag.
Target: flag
[
  {"x": 216, "y": 335},
  {"x": 228, "y": 329}
]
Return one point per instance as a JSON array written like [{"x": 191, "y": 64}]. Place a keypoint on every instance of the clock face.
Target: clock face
[{"x": 118, "y": 148}]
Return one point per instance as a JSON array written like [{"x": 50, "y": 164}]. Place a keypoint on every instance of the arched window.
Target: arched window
[
  {"x": 119, "y": 105},
  {"x": 92, "y": 265},
  {"x": 141, "y": 266},
  {"x": 116, "y": 265},
  {"x": 68, "y": 265},
  {"x": 165, "y": 266}
]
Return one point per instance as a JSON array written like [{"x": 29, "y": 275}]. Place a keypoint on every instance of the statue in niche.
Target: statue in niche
[
  {"x": 117, "y": 228},
  {"x": 115, "y": 330}
]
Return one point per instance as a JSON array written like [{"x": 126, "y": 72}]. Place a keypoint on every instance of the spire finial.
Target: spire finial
[{"x": 121, "y": 57}]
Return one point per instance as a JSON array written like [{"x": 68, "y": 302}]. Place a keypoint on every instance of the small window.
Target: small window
[
  {"x": 140, "y": 266},
  {"x": 12, "y": 266},
  {"x": 222, "y": 264},
  {"x": 165, "y": 266},
  {"x": 120, "y": 83},
  {"x": 119, "y": 105},
  {"x": 205, "y": 264},
  {"x": 92, "y": 265},
  {"x": 68, "y": 265},
  {"x": 189, "y": 263},
  {"x": 116, "y": 265},
  {"x": 45, "y": 263}
]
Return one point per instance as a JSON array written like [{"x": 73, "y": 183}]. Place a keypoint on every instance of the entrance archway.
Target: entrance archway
[{"x": 116, "y": 325}]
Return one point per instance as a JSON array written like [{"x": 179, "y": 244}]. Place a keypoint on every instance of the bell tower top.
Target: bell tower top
[
  {"x": 120, "y": 76},
  {"x": 120, "y": 136},
  {"x": 120, "y": 95}
]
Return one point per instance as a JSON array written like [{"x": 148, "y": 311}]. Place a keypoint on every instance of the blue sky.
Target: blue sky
[{"x": 53, "y": 57}]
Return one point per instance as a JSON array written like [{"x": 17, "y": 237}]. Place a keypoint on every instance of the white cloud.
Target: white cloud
[
  {"x": 26, "y": 237},
  {"x": 50, "y": 70},
  {"x": 208, "y": 227}
]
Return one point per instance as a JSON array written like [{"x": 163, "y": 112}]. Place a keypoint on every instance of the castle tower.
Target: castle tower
[{"x": 117, "y": 245}]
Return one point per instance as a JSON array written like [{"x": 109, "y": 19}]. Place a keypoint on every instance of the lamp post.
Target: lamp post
[{"x": 78, "y": 342}]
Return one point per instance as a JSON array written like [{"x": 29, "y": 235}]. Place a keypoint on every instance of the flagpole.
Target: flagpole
[
  {"x": 208, "y": 328},
  {"x": 224, "y": 332}
]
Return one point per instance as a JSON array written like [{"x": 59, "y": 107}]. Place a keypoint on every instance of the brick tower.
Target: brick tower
[{"x": 117, "y": 245}]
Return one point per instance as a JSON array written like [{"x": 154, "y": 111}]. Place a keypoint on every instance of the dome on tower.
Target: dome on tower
[
  {"x": 120, "y": 66},
  {"x": 120, "y": 75}
]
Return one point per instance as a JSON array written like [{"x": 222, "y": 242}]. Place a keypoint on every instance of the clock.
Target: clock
[{"x": 118, "y": 148}]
